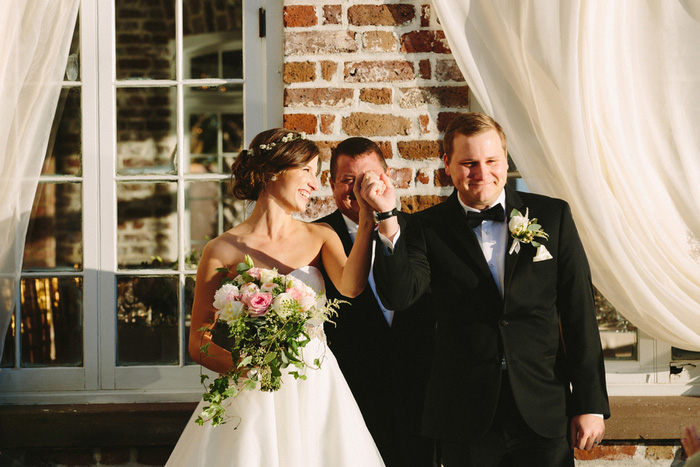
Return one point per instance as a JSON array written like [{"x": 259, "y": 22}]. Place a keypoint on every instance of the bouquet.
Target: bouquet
[{"x": 268, "y": 316}]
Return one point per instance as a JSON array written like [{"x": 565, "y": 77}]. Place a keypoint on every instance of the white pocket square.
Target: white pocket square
[{"x": 542, "y": 254}]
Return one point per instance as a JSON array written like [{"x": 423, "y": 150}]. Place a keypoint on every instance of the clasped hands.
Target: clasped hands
[{"x": 375, "y": 192}]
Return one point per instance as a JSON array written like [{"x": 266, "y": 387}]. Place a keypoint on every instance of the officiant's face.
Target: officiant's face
[
  {"x": 478, "y": 168},
  {"x": 348, "y": 170}
]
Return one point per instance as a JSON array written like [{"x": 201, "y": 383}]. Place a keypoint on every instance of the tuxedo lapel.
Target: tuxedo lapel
[
  {"x": 513, "y": 201},
  {"x": 367, "y": 299},
  {"x": 336, "y": 221},
  {"x": 463, "y": 235}
]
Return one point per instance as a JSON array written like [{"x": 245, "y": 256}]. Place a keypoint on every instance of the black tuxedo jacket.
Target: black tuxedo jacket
[
  {"x": 476, "y": 326},
  {"x": 385, "y": 366}
]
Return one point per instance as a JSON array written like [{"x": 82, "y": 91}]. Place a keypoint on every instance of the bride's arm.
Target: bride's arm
[
  {"x": 349, "y": 275},
  {"x": 203, "y": 313}
]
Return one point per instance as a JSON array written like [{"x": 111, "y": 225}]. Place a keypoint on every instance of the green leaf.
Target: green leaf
[
  {"x": 245, "y": 361},
  {"x": 243, "y": 267},
  {"x": 275, "y": 371},
  {"x": 536, "y": 244},
  {"x": 292, "y": 356},
  {"x": 534, "y": 227},
  {"x": 515, "y": 212},
  {"x": 205, "y": 348},
  {"x": 224, "y": 270},
  {"x": 269, "y": 357},
  {"x": 203, "y": 378}
]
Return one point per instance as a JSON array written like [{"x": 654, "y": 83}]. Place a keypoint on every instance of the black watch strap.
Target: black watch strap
[{"x": 382, "y": 216}]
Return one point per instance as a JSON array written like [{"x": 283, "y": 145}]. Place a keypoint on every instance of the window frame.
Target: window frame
[{"x": 100, "y": 379}]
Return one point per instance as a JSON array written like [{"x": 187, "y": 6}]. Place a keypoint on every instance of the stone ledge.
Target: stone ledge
[
  {"x": 93, "y": 425},
  {"x": 635, "y": 420},
  {"x": 651, "y": 417}
]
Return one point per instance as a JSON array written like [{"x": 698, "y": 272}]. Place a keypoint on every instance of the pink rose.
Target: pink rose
[
  {"x": 257, "y": 302},
  {"x": 294, "y": 292},
  {"x": 254, "y": 272}
]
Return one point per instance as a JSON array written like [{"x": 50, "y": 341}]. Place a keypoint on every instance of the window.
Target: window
[{"x": 158, "y": 99}]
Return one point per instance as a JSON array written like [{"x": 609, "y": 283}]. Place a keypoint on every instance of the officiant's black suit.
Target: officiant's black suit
[
  {"x": 385, "y": 366},
  {"x": 476, "y": 326}
]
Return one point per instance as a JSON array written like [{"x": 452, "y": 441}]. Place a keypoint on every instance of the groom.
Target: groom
[
  {"x": 383, "y": 355},
  {"x": 518, "y": 376}
]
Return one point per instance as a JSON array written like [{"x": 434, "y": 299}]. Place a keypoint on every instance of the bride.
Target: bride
[{"x": 312, "y": 422}]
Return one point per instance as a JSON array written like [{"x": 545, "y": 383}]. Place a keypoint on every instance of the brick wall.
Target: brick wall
[{"x": 383, "y": 71}]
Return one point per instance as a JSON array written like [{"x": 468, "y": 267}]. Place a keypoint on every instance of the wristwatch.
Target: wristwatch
[{"x": 382, "y": 216}]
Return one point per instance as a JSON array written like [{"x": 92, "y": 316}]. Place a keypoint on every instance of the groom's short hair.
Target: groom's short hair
[
  {"x": 470, "y": 124},
  {"x": 354, "y": 148}
]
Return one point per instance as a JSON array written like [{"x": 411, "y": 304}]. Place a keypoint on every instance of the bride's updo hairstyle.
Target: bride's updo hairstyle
[{"x": 270, "y": 153}]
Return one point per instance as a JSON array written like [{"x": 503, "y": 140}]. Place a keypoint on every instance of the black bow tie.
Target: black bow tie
[{"x": 494, "y": 213}]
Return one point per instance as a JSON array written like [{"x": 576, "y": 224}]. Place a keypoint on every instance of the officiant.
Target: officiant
[{"x": 384, "y": 354}]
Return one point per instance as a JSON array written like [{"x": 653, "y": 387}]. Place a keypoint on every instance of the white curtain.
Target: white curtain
[
  {"x": 35, "y": 37},
  {"x": 600, "y": 101}
]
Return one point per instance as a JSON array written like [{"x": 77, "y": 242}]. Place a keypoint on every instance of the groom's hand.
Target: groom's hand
[
  {"x": 587, "y": 430},
  {"x": 378, "y": 192}
]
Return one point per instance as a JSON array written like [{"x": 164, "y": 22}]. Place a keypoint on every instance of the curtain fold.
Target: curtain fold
[
  {"x": 600, "y": 101},
  {"x": 35, "y": 37}
]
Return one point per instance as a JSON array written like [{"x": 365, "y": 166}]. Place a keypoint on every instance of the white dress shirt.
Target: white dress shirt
[{"x": 493, "y": 239}]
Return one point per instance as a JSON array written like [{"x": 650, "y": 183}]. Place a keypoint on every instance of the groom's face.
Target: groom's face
[{"x": 478, "y": 168}]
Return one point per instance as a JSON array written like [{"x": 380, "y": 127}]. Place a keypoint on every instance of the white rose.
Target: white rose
[
  {"x": 517, "y": 224},
  {"x": 293, "y": 282},
  {"x": 250, "y": 288},
  {"x": 307, "y": 301},
  {"x": 227, "y": 293},
  {"x": 231, "y": 312},
  {"x": 267, "y": 275},
  {"x": 280, "y": 304}
]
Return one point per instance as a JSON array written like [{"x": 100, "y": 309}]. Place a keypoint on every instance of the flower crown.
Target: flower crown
[{"x": 285, "y": 139}]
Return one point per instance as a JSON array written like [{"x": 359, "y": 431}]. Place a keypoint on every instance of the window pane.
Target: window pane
[
  {"x": 147, "y": 320},
  {"x": 145, "y": 39},
  {"x": 147, "y": 225},
  {"x": 52, "y": 321},
  {"x": 682, "y": 354},
  {"x": 618, "y": 336},
  {"x": 212, "y": 37},
  {"x": 189, "y": 299},
  {"x": 54, "y": 236},
  {"x": 210, "y": 212},
  {"x": 146, "y": 130},
  {"x": 215, "y": 119},
  {"x": 73, "y": 64},
  {"x": 8, "y": 353},
  {"x": 63, "y": 154}
]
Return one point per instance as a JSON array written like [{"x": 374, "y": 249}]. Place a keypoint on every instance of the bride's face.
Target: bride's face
[{"x": 293, "y": 188}]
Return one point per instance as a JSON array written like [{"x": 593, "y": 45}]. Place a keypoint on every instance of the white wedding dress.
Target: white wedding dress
[{"x": 306, "y": 423}]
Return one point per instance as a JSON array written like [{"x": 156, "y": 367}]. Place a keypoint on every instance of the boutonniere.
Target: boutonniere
[{"x": 524, "y": 230}]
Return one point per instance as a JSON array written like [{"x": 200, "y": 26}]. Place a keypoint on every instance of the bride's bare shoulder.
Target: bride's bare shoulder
[
  {"x": 224, "y": 249},
  {"x": 320, "y": 229}
]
